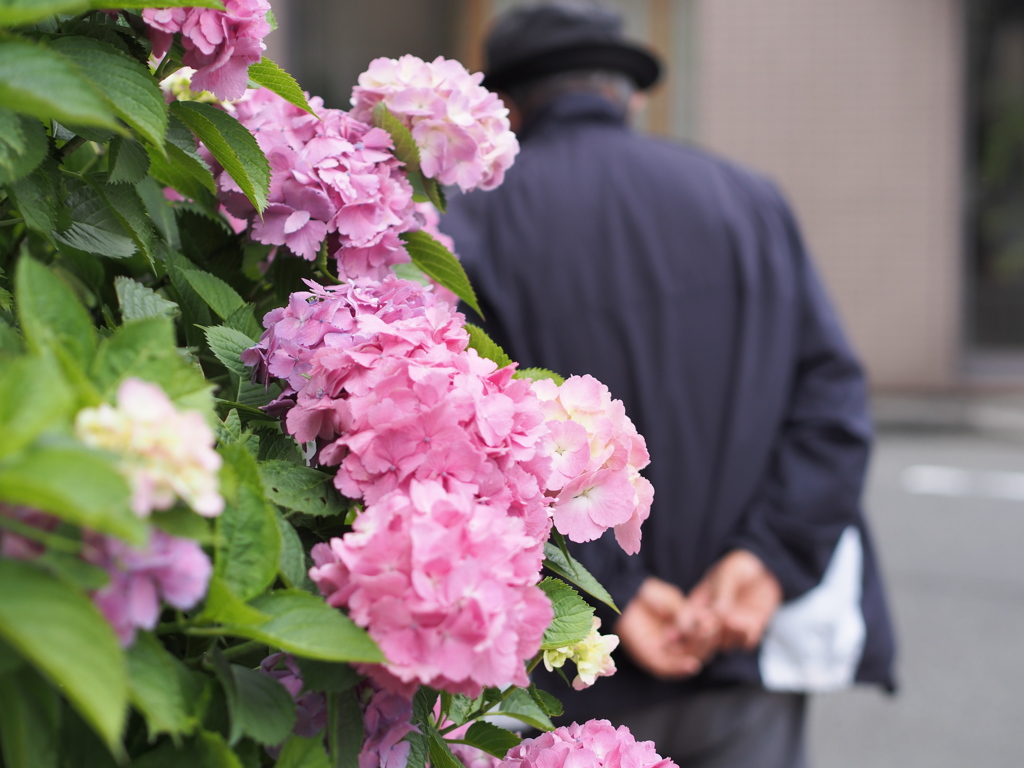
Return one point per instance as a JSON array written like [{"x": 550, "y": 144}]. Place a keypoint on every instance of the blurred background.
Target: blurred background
[{"x": 896, "y": 127}]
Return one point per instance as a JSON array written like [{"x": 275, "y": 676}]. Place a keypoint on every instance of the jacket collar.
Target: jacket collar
[{"x": 571, "y": 108}]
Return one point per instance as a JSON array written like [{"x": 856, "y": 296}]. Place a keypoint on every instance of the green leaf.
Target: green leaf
[
  {"x": 35, "y": 80},
  {"x": 570, "y": 569},
  {"x": 537, "y": 374},
  {"x": 573, "y": 617},
  {"x": 232, "y": 145},
  {"x": 60, "y": 632},
  {"x": 521, "y": 706},
  {"x": 95, "y": 227},
  {"x": 303, "y": 624},
  {"x": 19, "y": 12},
  {"x": 224, "y": 607},
  {"x": 405, "y": 146},
  {"x": 23, "y": 145},
  {"x": 545, "y": 700},
  {"x": 485, "y": 346},
  {"x": 248, "y": 544},
  {"x": 129, "y": 162},
  {"x": 302, "y": 489},
  {"x": 206, "y": 750},
  {"x": 131, "y": 212},
  {"x": 72, "y": 569},
  {"x": 228, "y": 345},
  {"x": 302, "y": 752},
  {"x": 260, "y": 706},
  {"x": 26, "y": 411},
  {"x": 128, "y": 87},
  {"x": 273, "y": 78},
  {"x": 491, "y": 739},
  {"x": 439, "y": 263},
  {"x": 221, "y": 297},
  {"x": 427, "y": 190},
  {"x": 293, "y": 568},
  {"x": 243, "y": 319},
  {"x": 327, "y": 677},
  {"x": 345, "y": 731},
  {"x": 29, "y": 721},
  {"x": 40, "y": 199},
  {"x": 154, "y": 688},
  {"x": 138, "y": 301},
  {"x": 86, "y": 490},
  {"x": 50, "y": 313},
  {"x": 185, "y": 524},
  {"x": 187, "y": 174},
  {"x": 440, "y": 753}
]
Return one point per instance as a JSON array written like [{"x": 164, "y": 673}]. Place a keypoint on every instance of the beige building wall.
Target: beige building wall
[{"x": 855, "y": 109}]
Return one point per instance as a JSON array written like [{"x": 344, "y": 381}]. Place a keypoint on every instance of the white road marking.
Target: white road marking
[{"x": 935, "y": 480}]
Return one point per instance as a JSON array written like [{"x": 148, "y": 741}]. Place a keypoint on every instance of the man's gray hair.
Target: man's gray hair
[{"x": 533, "y": 96}]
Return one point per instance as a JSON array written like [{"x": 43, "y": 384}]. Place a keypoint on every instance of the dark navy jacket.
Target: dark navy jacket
[{"x": 680, "y": 281}]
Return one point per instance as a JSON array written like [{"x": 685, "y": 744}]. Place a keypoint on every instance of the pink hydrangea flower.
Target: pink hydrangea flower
[
  {"x": 445, "y": 584},
  {"x": 333, "y": 180},
  {"x": 219, "y": 45},
  {"x": 166, "y": 454},
  {"x": 596, "y": 464},
  {"x": 168, "y": 569},
  {"x": 461, "y": 129},
  {"x": 594, "y": 744}
]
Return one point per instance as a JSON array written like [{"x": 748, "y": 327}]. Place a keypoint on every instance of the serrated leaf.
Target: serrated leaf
[
  {"x": 259, "y": 706},
  {"x": 232, "y": 145},
  {"x": 95, "y": 226},
  {"x": 440, "y": 753},
  {"x": 61, "y": 633},
  {"x": 439, "y": 263},
  {"x": 244, "y": 319},
  {"x": 521, "y": 706},
  {"x": 228, "y": 344},
  {"x": 345, "y": 729},
  {"x": 304, "y": 625},
  {"x": 37, "y": 81},
  {"x": 248, "y": 544},
  {"x": 538, "y": 374},
  {"x": 26, "y": 411},
  {"x": 23, "y": 145},
  {"x": 218, "y": 295},
  {"x": 154, "y": 688},
  {"x": 138, "y": 301},
  {"x": 186, "y": 174},
  {"x": 88, "y": 490},
  {"x": 491, "y": 739},
  {"x": 128, "y": 87},
  {"x": 50, "y": 313},
  {"x": 485, "y": 346},
  {"x": 302, "y": 489},
  {"x": 573, "y": 617},
  {"x": 15, "y": 13},
  {"x": 130, "y": 211},
  {"x": 129, "y": 162},
  {"x": 38, "y": 199},
  {"x": 570, "y": 569},
  {"x": 405, "y": 146},
  {"x": 545, "y": 700},
  {"x": 293, "y": 568},
  {"x": 273, "y": 78}
]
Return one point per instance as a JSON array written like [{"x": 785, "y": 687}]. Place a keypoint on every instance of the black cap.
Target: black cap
[{"x": 531, "y": 42}]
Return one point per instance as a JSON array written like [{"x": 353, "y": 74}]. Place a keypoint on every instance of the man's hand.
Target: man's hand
[
  {"x": 743, "y": 594},
  {"x": 664, "y": 634}
]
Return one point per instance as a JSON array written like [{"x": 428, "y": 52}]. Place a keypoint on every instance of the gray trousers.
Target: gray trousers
[{"x": 741, "y": 727}]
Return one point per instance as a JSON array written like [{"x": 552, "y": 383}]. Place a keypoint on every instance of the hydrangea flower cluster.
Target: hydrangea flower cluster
[
  {"x": 594, "y": 744},
  {"x": 461, "y": 129},
  {"x": 445, "y": 584},
  {"x": 168, "y": 568},
  {"x": 220, "y": 45},
  {"x": 450, "y": 455},
  {"x": 598, "y": 456},
  {"x": 592, "y": 657},
  {"x": 166, "y": 454},
  {"x": 332, "y": 179}
]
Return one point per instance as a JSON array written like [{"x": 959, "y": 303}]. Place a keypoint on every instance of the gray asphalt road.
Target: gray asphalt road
[{"x": 948, "y": 515}]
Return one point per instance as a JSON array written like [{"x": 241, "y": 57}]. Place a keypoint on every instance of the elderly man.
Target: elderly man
[{"x": 680, "y": 280}]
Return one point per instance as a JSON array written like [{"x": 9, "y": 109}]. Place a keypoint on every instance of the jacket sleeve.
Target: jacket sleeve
[{"x": 811, "y": 490}]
